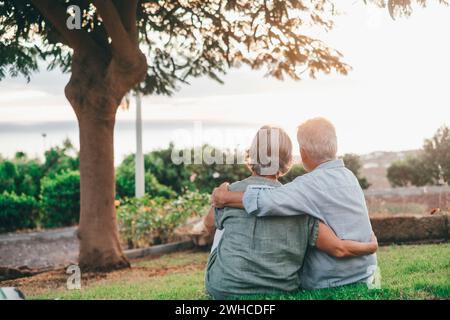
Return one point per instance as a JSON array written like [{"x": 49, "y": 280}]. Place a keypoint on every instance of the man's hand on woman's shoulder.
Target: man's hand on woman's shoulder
[{"x": 218, "y": 199}]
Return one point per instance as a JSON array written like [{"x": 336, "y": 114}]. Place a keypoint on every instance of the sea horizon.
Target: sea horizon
[
  {"x": 34, "y": 138},
  {"x": 29, "y": 136}
]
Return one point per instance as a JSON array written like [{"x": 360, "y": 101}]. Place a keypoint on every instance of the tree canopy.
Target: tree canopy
[
  {"x": 185, "y": 38},
  {"x": 181, "y": 39}
]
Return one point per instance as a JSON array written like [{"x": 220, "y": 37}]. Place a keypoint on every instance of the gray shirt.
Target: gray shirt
[
  {"x": 332, "y": 194},
  {"x": 258, "y": 255}
]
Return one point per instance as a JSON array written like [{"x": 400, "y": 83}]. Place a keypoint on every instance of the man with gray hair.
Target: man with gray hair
[{"x": 329, "y": 192}]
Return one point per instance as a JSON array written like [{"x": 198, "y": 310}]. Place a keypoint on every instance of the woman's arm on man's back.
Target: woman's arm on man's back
[{"x": 328, "y": 242}]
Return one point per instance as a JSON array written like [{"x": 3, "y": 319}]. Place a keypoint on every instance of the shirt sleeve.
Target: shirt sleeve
[
  {"x": 292, "y": 199},
  {"x": 250, "y": 199}
]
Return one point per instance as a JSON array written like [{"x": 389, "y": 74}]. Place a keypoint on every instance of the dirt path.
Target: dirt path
[
  {"x": 39, "y": 250},
  {"x": 26, "y": 254}
]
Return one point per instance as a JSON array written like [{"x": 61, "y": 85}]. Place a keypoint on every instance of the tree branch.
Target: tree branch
[
  {"x": 122, "y": 44},
  {"x": 56, "y": 14},
  {"x": 127, "y": 10},
  {"x": 98, "y": 34}
]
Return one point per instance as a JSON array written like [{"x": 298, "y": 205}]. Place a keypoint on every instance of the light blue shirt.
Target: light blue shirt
[{"x": 332, "y": 194}]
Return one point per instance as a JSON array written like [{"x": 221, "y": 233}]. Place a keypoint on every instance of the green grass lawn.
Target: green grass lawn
[{"x": 408, "y": 272}]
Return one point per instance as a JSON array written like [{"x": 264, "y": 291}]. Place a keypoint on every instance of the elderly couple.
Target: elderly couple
[{"x": 311, "y": 233}]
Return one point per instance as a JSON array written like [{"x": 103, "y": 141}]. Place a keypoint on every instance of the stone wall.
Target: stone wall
[{"x": 407, "y": 229}]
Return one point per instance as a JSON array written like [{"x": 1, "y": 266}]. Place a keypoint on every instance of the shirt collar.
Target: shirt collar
[{"x": 332, "y": 164}]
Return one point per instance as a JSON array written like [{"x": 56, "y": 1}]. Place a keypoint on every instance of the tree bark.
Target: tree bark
[
  {"x": 95, "y": 90},
  {"x": 100, "y": 247}
]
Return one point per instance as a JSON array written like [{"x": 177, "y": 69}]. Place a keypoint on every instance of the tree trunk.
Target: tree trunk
[
  {"x": 95, "y": 90},
  {"x": 106, "y": 63},
  {"x": 99, "y": 241}
]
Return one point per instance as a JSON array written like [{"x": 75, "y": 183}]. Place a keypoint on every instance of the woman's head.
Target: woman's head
[{"x": 270, "y": 153}]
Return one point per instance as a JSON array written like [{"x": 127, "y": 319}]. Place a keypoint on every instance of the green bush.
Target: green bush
[
  {"x": 17, "y": 212},
  {"x": 8, "y": 175},
  {"x": 181, "y": 177},
  {"x": 22, "y": 175},
  {"x": 208, "y": 176},
  {"x": 160, "y": 164},
  {"x": 60, "y": 159},
  {"x": 125, "y": 186},
  {"x": 29, "y": 175},
  {"x": 148, "y": 221},
  {"x": 60, "y": 199},
  {"x": 158, "y": 167}
]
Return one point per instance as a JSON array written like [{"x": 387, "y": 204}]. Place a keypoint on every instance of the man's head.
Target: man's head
[{"x": 317, "y": 141}]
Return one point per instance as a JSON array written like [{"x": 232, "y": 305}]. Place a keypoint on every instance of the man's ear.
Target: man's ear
[
  {"x": 305, "y": 159},
  {"x": 303, "y": 154}
]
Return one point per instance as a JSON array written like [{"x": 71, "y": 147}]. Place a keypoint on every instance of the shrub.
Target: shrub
[
  {"x": 60, "y": 199},
  {"x": 22, "y": 175},
  {"x": 29, "y": 175},
  {"x": 159, "y": 163},
  {"x": 60, "y": 159},
  {"x": 182, "y": 177},
  {"x": 149, "y": 221},
  {"x": 17, "y": 212},
  {"x": 8, "y": 175},
  {"x": 125, "y": 186},
  {"x": 208, "y": 176}
]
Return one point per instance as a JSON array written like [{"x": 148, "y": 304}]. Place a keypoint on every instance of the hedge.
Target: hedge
[
  {"x": 60, "y": 199},
  {"x": 17, "y": 212}
]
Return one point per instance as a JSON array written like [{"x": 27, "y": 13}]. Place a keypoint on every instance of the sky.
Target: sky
[{"x": 396, "y": 95}]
